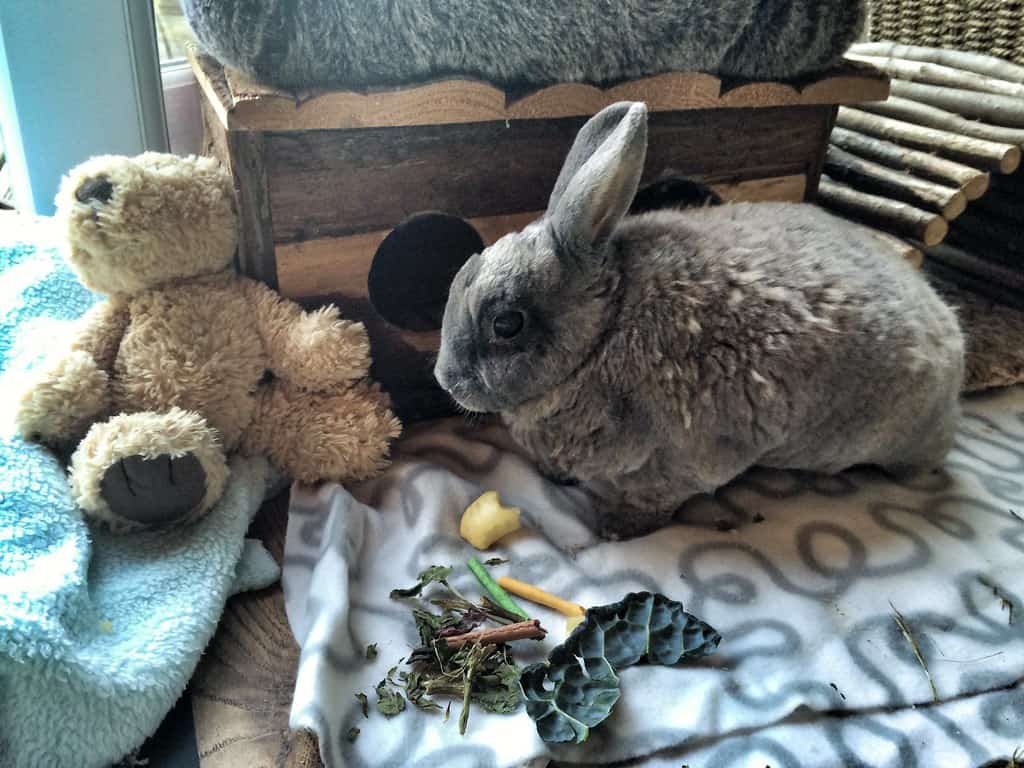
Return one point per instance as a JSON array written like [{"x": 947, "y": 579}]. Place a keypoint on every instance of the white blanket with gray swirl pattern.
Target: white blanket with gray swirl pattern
[{"x": 801, "y": 574}]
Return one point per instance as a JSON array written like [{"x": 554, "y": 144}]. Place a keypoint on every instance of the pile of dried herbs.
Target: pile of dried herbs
[
  {"x": 569, "y": 694},
  {"x": 479, "y": 673}
]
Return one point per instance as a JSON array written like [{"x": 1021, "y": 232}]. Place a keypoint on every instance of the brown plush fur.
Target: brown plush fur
[{"x": 205, "y": 361}]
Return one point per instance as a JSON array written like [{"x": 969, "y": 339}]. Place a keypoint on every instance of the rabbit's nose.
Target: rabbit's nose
[{"x": 99, "y": 189}]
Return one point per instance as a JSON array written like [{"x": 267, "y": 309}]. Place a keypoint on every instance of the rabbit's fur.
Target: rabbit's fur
[
  {"x": 308, "y": 43},
  {"x": 661, "y": 355}
]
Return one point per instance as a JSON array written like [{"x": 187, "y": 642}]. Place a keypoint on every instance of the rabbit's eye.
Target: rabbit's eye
[{"x": 508, "y": 324}]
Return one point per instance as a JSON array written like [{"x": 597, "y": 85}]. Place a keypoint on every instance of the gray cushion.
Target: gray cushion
[{"x": 297, "y": 44}]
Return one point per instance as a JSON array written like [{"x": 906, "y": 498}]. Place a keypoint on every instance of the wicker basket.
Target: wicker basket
[{"x": 995, "y": 27}]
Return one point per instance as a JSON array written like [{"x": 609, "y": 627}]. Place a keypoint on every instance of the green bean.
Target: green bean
[{"x": 499, "y": 595}]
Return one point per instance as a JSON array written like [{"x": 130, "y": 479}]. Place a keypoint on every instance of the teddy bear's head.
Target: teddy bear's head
[{"x": 134, "y": 223}]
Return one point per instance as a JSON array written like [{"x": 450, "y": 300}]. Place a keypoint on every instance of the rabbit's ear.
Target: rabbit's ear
[{"x": 600, "y": 176}]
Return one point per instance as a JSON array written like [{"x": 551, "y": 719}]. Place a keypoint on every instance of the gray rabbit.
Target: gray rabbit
[{"x": 658, "y": 356}]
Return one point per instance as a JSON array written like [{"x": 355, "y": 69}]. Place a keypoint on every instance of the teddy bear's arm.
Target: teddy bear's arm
[
  {"x": 100, "y": 332},
  {"x": 313, "y": 350},
  {"x": 65, "y": 395}
]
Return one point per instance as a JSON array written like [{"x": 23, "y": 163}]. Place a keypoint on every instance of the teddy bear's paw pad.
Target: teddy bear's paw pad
[{"x": 154, "y": 491}]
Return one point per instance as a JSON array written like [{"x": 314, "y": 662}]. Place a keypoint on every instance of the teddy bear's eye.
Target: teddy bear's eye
[{"x": 507, "y": 324}]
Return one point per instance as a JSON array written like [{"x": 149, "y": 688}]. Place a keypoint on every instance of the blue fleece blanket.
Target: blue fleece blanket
[{"x": 99, "y": 633}]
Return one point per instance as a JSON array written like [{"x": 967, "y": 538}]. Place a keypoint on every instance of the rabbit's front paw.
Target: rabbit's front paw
[
  {"x": 558, "y": 477},
  {"x": 623, "y": 522}
]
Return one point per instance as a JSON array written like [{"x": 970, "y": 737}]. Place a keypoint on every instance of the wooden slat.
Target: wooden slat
[
  {"x": 255, "y": 242},
  {"x": 818, "y": 165},
  {"x": 668, "y": 91},
  {"x": 215, "y": 138},
  {"x": 212, "y": 82},
  {"x": 852, "y": 88},
  {"x": 661, "y": 93},
  {"x": 340, "y": 265},
  {"x": 792, "y": 188},
  {"x": 331, "y": 183},
  {"x": 759, "y": 95},
  {"x": 249, "y": 105}
]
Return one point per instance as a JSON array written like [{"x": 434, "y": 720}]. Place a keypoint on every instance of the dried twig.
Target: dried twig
[
  {"x": 986, "y": 657},
  {"x": 975, "y": 263},
  {"x": 523, "y": 630},
  {"x": 990, "y": 66},
  {"x": 905, "y": 629},
  {"x": 996, "y": 156},
  {"x": 941, "y": 74},
  {"x": 933, "y": 117},
  {"x": 993, "y": 108},
  {"x": 1004, "y": 602},
  {"x": 972, "y": 181},
  {"x": 899, "y": 185},
  {"x": 891, "y": 215}
]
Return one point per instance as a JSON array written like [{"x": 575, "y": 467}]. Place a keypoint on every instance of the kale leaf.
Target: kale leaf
[{"x": 578, "y": 686}]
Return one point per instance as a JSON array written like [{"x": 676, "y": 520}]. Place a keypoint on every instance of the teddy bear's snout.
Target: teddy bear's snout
[{"x": 97, "y": 189}]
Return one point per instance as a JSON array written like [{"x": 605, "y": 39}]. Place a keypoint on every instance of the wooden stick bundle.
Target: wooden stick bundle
[
  {"x": 975, "y": 284},
  {"x": 971, "y": 181},
  {"x": 898, "y": 185},
  {"x": 984, "y": 249},
  {"x": 939, "y": 74},
  {"x": 995, "y": 232},
  {"x": 990, "y": 66},
  {"x": 1001, "y": 110},
  {"x": 933, "y": 117},
  {"x": 1006, "y": 277},
  {"x": 1012, "y": 186},
  {"x": 1007, "y": 206},
  {"x": 1003, "y": 158},
  {"x": 934, "y": 94},
  {"x": 909, "y": 252},
  {"x": 890, "y": 215}
]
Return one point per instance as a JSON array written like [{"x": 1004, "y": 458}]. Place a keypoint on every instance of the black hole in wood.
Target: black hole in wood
[
  {"x": 673, "y": 191},
  {"x": 414, "y": 268}
]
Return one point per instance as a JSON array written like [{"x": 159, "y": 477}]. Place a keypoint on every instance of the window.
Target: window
[
  {"x": 6, "y": 188},
  {"x": 172, "y": 32},
  {"x": 76, "y": 80},
  {"x": 181, "y": 92}
]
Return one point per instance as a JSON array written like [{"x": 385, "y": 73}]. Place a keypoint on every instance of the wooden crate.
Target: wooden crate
[{"x": 323, "y": 178}]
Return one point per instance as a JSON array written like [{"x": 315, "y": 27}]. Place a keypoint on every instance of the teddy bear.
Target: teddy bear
[{"x": 186, "y": 361}]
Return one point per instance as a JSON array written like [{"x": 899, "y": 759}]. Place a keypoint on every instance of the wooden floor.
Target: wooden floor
[{"x": 242, "y": 690}]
